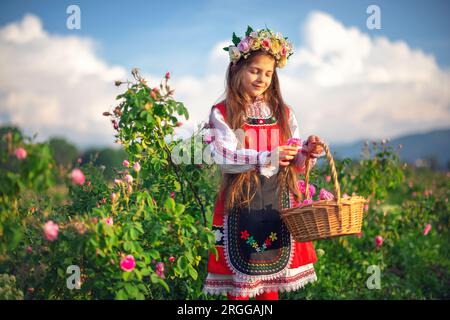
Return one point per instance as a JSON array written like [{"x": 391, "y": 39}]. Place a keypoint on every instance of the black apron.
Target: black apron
[{"x": 258, "y": 241}]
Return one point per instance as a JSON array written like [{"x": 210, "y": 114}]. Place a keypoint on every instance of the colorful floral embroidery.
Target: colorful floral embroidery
[
  {"x": 252, "y": 242},
  {"x": 244, "y": 235}
]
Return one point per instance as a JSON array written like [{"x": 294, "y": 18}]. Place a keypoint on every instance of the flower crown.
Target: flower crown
[{"x": 263, "y": 39}]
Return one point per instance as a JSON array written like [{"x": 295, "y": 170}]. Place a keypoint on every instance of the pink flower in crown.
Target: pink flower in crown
[
  {"x": 51, "y": 230},
  {"x": 266, "y": 43},
  {"x": 128, "y": 263},
  {"x": 325, "y": 195},
  {"x": 77, "y": 177},
  {"x": 21, "y": 153},
  {"x": 427, "y": 229},
  {"x": 244, "y": 46}
]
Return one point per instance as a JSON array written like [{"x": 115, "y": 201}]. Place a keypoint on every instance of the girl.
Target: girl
[{"x": 250, "y": 129}]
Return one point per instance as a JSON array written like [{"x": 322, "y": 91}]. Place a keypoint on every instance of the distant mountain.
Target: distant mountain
[{"x": 423, "y": 149}]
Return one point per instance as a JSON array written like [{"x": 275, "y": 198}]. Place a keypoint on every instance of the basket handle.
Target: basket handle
[{"x": 337, "y": 188}]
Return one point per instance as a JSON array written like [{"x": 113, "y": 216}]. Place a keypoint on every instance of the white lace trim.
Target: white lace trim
[{"x": 234, "y": 290}]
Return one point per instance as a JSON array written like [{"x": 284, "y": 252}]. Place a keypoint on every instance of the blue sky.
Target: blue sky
[
  {"x": 154, "y": 34},
  {"x": 344, "y": 82}
]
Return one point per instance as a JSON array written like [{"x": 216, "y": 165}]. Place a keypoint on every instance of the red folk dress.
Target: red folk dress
[{"x": 256, "y": 253}]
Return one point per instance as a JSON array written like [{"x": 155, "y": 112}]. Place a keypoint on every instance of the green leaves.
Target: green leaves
[
  {"x": 249, "y": 30},
  {"x": 236, "y": 39}
]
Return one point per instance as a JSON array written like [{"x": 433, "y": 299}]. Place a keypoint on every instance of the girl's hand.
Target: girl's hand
[
  {"x": 312, "y": 148},
  {"x": 285, "y": 154}
]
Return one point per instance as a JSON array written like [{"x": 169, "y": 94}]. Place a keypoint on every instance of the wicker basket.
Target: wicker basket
[{"x": 325, "y": 218}]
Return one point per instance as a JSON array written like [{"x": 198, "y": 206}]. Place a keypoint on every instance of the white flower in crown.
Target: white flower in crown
[{"x": 234, "y": 52}]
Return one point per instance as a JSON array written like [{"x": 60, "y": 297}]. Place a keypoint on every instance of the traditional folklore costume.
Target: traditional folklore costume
[{"x": 256, "y": 253}]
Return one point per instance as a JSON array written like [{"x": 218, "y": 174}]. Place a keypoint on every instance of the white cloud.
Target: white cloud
[
  {"x": 55, "y": 85},
  {"x": 342, "y": 84},
  {"x": 345, "y": 85}
]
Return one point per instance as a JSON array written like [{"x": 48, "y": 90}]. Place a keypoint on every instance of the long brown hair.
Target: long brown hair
[{"x": 242, "y": 186}]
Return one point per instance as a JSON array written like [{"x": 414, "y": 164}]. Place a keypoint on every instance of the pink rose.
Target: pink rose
[
  {"x": 128, "y": 263},
  {"x": 312, "y": 190},
  {"x": 21, "y": 153},
  {"x": 243, "y": 46},
  {"x": 109, "y": 221},
  {"x": 325, "y": 195},
  {"x": 427, "y": 229},
  {"x": 294, "y": 141},
  {"x": 266, "y": 43},
  {"x": 78, "y": 177},
  {"x": 171, "y": 258},
  {"x": 51, "y": 230},
  {"x": 126, "y": 163},
  {"x": 137, "y": 167},
  {"x": 114, "y": 197},
  {"x": 301, "y": 186},
  {"x": 128, "y": 178},
  {"x": 378, "y": 241},
  {"x": 160, "y": 270}
]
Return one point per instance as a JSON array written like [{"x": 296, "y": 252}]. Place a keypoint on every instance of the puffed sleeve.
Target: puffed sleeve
[
  {"x": 300, "y": 158},
  {"x": 225, "y": 152}
]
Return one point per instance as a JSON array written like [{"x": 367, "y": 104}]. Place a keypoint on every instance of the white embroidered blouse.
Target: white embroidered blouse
[{"x": 231, "y": 159}]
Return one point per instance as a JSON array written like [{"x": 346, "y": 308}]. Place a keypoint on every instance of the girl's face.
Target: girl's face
[{"x": 257, "y": 77}]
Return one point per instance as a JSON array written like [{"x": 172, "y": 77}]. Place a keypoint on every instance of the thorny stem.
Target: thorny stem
[{"x": 197, "y": 198}]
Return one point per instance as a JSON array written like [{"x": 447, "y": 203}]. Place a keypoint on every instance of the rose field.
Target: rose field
[{"x": 70, "y": 231}]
